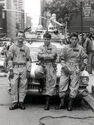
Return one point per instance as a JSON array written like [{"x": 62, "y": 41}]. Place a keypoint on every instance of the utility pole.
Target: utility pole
[{"x": 81, "y": 9}]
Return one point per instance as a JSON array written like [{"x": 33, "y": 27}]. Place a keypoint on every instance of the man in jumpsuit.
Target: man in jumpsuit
[
  {"x": 47, "y": 56},
  {"x": 73, "y": 60},
  {"x": 19, "y": 66}
]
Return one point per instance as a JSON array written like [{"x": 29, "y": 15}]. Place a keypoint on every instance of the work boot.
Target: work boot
[
  {"x": 61, "y": 105},
  {"x": 47, "y": 106},
  {"x": 13, "y": 106},
  {"x": 21, "y": 106},
  {"x": 69, "y": 108}
]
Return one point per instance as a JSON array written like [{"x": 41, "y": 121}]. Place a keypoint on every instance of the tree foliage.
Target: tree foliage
[{"x": 63, "y": 8}]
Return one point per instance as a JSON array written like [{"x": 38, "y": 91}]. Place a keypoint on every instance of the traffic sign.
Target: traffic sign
[{"x": 87, "y": 11}]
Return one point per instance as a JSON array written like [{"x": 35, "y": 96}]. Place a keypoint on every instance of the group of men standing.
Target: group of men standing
[{"x": 72, "y": 58}]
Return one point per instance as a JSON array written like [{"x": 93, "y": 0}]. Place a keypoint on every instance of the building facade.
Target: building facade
[
  {"x": 11, "y": 19},
  {"x": 28, "y": 22},
  {"x": 87, "y": 22},
  {"x": 19, "y": 6},
  {"x": 3, "y": 26},
  {"x": 15, "y": 17},
  {"x": 3, "y": 3}
]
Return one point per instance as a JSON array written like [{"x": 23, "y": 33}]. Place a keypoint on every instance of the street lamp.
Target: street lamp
[
  {"x": 81, "y": 17},
  {"x": 81, "y": 10}
]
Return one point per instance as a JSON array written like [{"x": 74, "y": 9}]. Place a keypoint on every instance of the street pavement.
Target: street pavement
[{"x": 34, "y": 112}]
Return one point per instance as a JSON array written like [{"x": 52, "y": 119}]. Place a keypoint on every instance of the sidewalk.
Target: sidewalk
[
  {"x": 31, "y": 115},
  {"x": 5, "y": 97}
]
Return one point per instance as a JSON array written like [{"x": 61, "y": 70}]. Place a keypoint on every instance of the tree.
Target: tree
[{"x": 63, "y": 8}]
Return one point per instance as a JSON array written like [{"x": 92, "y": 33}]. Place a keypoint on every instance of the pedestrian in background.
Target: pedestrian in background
[
  {"x": 86, "y": 43},
  {"x": 5, "y": 52},
  {"x": 67, "y": 39},
  {"x": 47, "y": 56},
  {"x": 73, "y": 60},
  {"x": 90, "y": 54},
  {"x": 19, "y": 67}
]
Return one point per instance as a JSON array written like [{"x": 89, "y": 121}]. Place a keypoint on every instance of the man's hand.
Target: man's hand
[
  {"x": 66, "y": 70},
  {"x": 11, "y": 74},
  {"x": 82, "y": 67}
]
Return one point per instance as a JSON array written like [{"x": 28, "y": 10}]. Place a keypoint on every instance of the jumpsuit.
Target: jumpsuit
[
  {"x": 72, "y": 58},
  {"x": 20, "y": 62},
  {"x": 47, "y": 56}
]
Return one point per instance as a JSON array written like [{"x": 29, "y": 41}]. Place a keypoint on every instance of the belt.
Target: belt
[
  {"x": 73, "y": 63},
  {"x": 19, "y": 64}
]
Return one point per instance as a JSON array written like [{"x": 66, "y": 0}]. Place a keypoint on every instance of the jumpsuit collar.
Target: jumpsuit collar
[
  {"x": 74, "y": 47},
  {"x": 49, "y": 46},
  {"x": 17, "y": 44}
]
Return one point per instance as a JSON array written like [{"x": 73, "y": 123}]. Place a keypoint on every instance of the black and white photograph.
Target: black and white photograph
[{"x": 46, "y": 62}]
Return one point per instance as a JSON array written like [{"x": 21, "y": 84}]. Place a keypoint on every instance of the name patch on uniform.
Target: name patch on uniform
[{"x": 22, "y": 50}]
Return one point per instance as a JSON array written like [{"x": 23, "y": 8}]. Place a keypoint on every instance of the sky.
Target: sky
[{"x": 32, "y": 7}]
